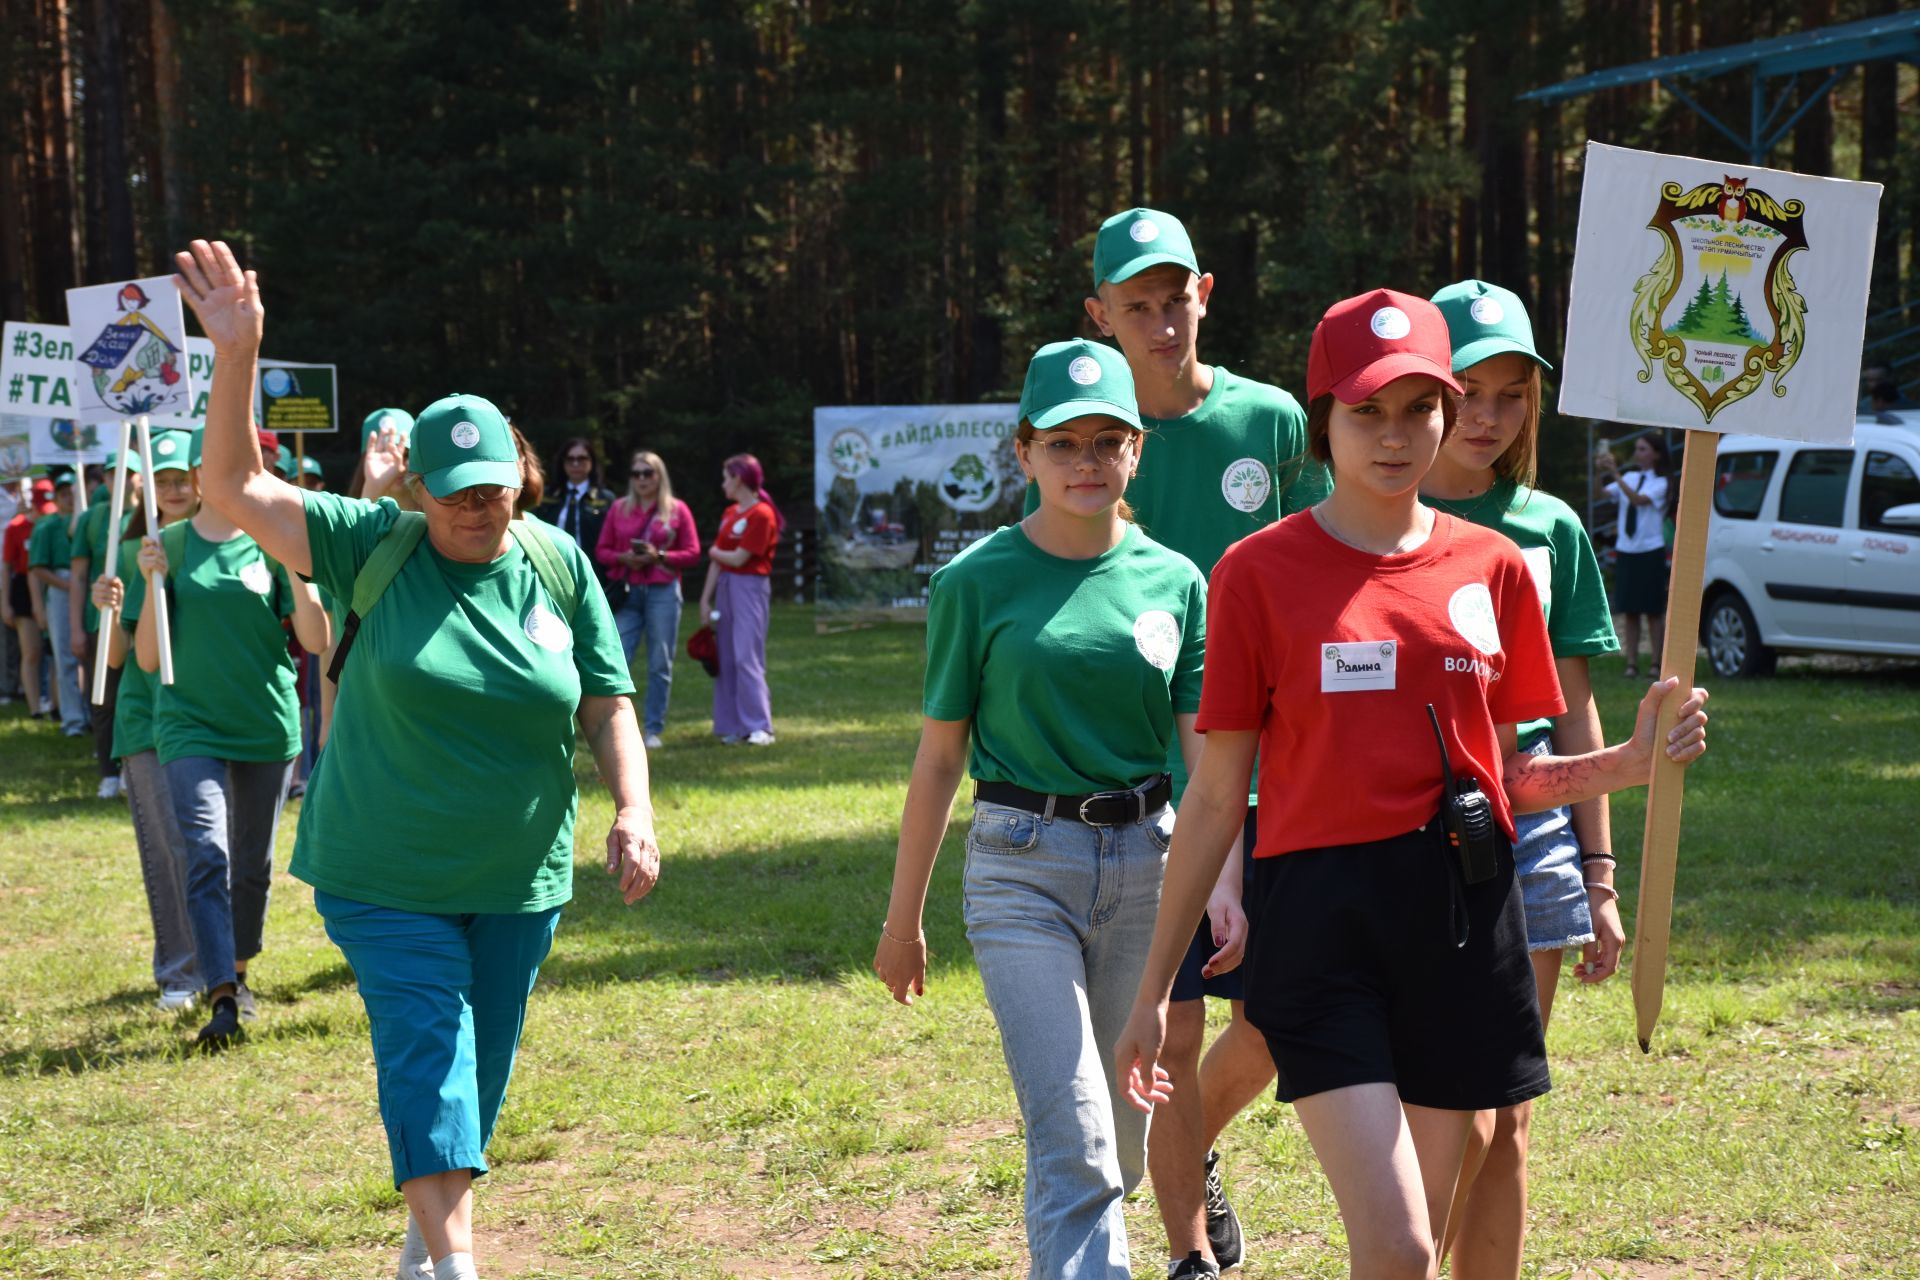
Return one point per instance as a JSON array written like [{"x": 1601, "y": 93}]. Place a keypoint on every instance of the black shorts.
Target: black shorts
[
  {"x": 1353, "y": 976},
  {"x": 20, "y": 596},
  {"x": 1187, "y": 982}
]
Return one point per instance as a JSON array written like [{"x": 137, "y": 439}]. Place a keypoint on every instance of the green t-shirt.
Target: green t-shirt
[
  {"x": 1566, "y": 573},
  {"x": 91, "y": 541},
  {"x": 133, "y": 705},
  {"x": 50, "y": 545},
  {"x": 1071, "y": 670},
  {"x": 447, "y": 782},
  {"x": 232, "y": 696}
]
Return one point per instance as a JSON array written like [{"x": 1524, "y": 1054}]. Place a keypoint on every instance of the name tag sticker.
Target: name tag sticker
[{"x": 1346, "y": 667}]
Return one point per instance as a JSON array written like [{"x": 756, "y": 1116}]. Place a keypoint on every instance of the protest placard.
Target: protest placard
[
  {"x": 37, "y": 367},
  {"x": 130, "y": 352},
  {"x": 300, "y": 398}
]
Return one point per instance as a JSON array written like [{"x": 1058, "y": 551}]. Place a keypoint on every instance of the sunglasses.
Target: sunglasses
[
  {"x": 1064, "y": 448},
  {"x": 645, "y": 473},
  {"x": 483, "y": 494}
]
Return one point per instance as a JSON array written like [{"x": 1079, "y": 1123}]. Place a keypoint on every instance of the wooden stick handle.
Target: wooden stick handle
[
  {"x": 111, "y": 568},
  {"x": 1660, "y": 849},
  {"x": 156, "y": 582}
]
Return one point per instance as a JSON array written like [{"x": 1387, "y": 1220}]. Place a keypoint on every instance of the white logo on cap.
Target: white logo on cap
[
  {"x": 393, "y": 422},
  {"x": 465, "y": 434},
  {"x": 256, "y": 577},
  {"x": 1143, "y": 231},
  {"x": 1391, "y": 323},
  {"x": 1487, "y": 311},
  {"x": 545, "y": 629},
  {"x": 165, "y": 448},
  {"x": 1157, "y": 636},
  {"x": 1084, "y": 370},
  {"x": 1471, "y": 611}
]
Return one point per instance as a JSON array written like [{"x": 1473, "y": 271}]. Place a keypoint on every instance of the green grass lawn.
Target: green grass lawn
[{"x": 713, "y": 1083}]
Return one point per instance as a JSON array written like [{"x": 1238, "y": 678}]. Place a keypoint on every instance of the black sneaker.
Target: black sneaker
[
  {"x": 223, "y": 1027},
  {"x": 1223, "y": 1224},
  {"x": 1192, "y": 1267}
]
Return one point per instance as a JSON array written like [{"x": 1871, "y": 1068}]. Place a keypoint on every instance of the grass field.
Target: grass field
[{"x": 713, "y": 1084}]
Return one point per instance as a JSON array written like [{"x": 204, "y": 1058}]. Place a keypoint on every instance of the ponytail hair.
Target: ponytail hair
[{"x": 746, "y": 469}]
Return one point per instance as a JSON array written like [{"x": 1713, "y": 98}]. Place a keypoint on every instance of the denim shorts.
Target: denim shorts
[{"x": 1546, "y": 858}]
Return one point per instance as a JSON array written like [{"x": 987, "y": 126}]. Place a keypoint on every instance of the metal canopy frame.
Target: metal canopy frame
[{"x": 1836, "y": 50}]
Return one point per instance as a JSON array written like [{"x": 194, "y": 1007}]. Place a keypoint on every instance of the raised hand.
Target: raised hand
[
  {"x": 385, "y": 461},
  {"x": 225, "y": 299}
]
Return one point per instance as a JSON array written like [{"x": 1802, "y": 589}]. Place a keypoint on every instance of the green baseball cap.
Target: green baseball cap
[
  {"x": 462, "y": 441},
  {"x": 1483, "y": 321},
  {"x": 1078, "y": 379},
  {"x": 113, "y": 460},
  {"x": 62, "y": 477},
  {"x": 1131, "y": 242},
  {"x": 175, "y": 450},
  {"x": 283, "y": 461},
  {"x": 399, "y": 419},
  {"x": 310, "y": 466}
]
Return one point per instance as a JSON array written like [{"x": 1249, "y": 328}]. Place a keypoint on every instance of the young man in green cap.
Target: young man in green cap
[{"x": 1228, "y": 457}]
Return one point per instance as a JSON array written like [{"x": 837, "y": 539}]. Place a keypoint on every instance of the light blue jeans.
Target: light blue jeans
[
  {"x": 163, "y": 869},
  {"x": 228, "y": 811},
  {"x": 1060, "y": 916},
  {"x": 73, "y": 698},
  {"x": 652, "y": 613}
]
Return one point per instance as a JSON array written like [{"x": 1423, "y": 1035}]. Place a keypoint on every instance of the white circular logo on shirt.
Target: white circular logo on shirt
[
  {"x": 739, "y": 526},
  {"x": 465, "y": 434},
  {"x": 1487, "y": 311},
  {"x": 1084, "y": 370},
  {"x": 1246, "y": 485},
  {"x": 1391, "y": 323},
  {"x": 165, "y": 448},
  {"x": 257, "y": 578},
  {"x": 1144, "y": 232},
  {"x": 1157, "y": 636},
  {"x": 1471, "y": 610},
  {"x": 544, "y": 628}
]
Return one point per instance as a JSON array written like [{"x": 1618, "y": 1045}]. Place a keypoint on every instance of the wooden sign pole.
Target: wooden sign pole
[
  {"x": 1660, "y": 849},
  {"x": 109, "y": 566},
  {"x": 157, "y": 583},
  {"x": 300, "y": 459}
]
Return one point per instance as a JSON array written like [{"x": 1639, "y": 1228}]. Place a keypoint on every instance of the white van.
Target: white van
[{"x": 1814, "y": 547}]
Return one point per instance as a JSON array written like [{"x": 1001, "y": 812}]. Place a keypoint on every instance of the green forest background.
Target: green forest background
[{"x": 685, "y": 224}]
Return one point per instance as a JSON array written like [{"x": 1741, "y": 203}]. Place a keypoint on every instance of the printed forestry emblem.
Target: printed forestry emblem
[
  {"x": 968, "y": 484},
  {"x": 1246, "y": 484},
  {"x": 135, "y": 369},
  {"x": 1719, "y": 311}
]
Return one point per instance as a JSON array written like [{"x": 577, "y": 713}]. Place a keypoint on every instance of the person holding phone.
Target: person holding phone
[{"x": 647, "y": 543}]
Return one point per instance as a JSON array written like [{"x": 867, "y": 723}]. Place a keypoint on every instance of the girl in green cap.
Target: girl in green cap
[
  {"x": 1063, "y": 655},
  {"x": 1485, "y": 473}
]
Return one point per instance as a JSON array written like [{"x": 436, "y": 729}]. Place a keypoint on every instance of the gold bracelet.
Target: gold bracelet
[{"x": 905, "y": 942}]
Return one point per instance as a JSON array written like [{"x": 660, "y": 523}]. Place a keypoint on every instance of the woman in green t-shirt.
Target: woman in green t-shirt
[
  {"x": 1485, "y": 473},
  {"x": 489, "y": 642},
  {"x": 1063, "y": 655}
]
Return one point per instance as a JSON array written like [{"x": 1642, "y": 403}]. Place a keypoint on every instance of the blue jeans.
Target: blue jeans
[
  {"x": 228, "y": 811},
  {"x": 1060, "y": 916},
  {"x": 73, "y": 698},
  {"x": 163, "y": 869},
  {"x": 652, "y": 613},
  {"x": 446, "y": 999}
]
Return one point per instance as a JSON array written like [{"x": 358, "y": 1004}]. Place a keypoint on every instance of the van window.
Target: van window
[
  {"x": 1740, "y": 483},
  {"x": 1888, "y": 482},
  {"x": 1815, "y": 491}
]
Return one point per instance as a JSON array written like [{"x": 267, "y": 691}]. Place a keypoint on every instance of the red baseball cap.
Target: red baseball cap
[
  {"x": 269, "y": 442},
  {"x": 1364, "y": 343}
]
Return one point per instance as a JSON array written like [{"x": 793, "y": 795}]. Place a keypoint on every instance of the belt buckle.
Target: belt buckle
[{"x": 1140, "y": 806}]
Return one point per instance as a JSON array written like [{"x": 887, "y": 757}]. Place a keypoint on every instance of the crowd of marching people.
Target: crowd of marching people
[{"x": 1346, "y": 642}]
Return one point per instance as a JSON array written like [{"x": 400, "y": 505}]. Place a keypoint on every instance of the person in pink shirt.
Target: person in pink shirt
[{"x": 646, "y": 542}]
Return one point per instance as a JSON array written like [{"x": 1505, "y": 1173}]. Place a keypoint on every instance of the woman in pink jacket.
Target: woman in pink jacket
[{"x": 647, "y": 541}]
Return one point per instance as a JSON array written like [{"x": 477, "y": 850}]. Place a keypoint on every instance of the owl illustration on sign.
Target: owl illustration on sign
[
  {"x": 1733, "y": 199},
  {"x": 134, "y": 367}
]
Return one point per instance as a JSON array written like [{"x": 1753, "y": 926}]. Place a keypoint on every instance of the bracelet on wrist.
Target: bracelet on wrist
[
  {"x": 891, "y": 936},
  {"x": 1597, "y": 855},
  {"x": 1607, "y": 889}
]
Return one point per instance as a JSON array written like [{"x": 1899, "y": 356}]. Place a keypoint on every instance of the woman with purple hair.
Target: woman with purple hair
[{"x": 735, "y": 600}]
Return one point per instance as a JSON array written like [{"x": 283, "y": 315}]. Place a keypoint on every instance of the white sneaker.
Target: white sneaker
[
  {"x": 109, "y": 788},
  {"x": 652, "y": 742},
  {"x": 177, "y": 998},
  {"x": 759, "y": 738}
]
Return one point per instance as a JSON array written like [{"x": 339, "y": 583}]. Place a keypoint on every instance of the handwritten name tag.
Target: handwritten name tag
[{"x": 1358, "y": 664}]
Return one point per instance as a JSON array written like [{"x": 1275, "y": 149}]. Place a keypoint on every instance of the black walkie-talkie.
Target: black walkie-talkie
[{"x": 1467, "y": 815}]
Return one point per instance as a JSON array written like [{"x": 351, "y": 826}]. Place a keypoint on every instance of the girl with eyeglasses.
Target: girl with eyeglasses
[
  {"x": 1063, "y": 657},
  {"x": 438, "y": 829},
  {"x": 646, "y": 544}
]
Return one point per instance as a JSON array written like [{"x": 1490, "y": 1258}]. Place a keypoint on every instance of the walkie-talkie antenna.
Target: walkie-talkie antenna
[{"x": 1446, "y": 765}]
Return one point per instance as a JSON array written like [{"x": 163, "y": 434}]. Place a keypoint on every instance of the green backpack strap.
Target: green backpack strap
[
  {"x": 379, "y": 571},
  {"x": 552, "y": 567},
  {"x": 173, "y": 541}
]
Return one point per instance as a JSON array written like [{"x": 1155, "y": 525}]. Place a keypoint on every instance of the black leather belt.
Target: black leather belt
[{"x": 1098, "y": 809}]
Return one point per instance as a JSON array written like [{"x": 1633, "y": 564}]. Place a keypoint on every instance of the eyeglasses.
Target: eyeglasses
[
  {"x": 1064, "y": 448},
  {"x": 645, "y": 473},
  {"x": 482, "y": 494}
]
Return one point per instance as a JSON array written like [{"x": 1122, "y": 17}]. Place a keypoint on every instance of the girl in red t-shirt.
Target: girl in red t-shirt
[
  {"x": 1395, "y": 996},
  {"x": 736, "y": 600}
]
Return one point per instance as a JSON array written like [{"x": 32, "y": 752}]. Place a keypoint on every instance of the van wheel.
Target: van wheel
[{"x": 1733, "y": 639}]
